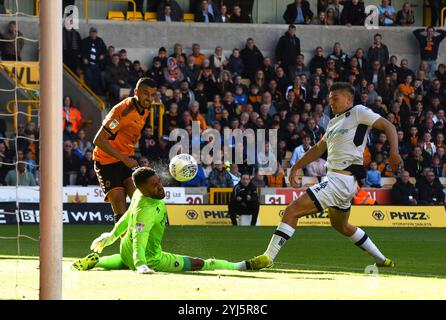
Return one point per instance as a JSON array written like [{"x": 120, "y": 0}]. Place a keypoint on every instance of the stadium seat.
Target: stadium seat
[
  {"x": 443, "y": 181},
  {"x": 150, "y": 16},
  {"x": 309, "y": 181},
  {"x": 288, "y": 155},
  {"x": 115, "y": 15},
  {"x": 189, "y": 17},
  {"x": 132, "y": 16},
  {"x": 413, "y": 180},
  {"x": 388, "y": 182}
]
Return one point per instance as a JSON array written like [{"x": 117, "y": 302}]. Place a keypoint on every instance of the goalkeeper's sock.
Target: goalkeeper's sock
[
  {"x": 280, "y": 237},
  {"x": 213, "y": 264},
  {"x": 362, "y": 240},
  {"x": 113, "y": 262}
]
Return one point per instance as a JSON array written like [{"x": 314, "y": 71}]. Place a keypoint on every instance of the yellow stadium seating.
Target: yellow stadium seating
[
  {"x": 189, "y": 17},
  {"x": 132, "y": 16},
  {"x": 150, "y": 16},
  {"x": 115, "y": 15},
  {"x": 388, "y": 182}
]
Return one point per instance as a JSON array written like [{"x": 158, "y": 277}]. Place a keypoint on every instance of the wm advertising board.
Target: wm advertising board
[{"x": 367, "y": 216}]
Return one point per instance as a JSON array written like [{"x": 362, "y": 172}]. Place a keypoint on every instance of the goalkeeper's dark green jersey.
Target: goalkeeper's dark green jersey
[{"x": 144, "y": 221}]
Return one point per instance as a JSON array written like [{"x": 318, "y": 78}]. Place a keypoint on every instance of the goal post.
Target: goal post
[{"x": 51, "y": 87}]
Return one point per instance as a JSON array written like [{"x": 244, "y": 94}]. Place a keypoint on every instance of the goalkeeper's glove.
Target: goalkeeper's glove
[
  {"x": 104, "y": 240},
  {"x": 144, "y": 270}
]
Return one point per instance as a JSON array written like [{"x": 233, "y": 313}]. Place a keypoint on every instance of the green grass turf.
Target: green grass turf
[{"x": 416, "y": 251}]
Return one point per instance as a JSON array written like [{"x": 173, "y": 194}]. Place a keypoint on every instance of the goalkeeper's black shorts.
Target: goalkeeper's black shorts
[{"x": 112, "y": 176}]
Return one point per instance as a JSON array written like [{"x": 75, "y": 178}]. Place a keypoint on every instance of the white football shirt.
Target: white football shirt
[{"x": 346, "y": 137}]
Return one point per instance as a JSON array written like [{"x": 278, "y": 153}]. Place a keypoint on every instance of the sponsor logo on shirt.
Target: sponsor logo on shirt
[
  {"x": 113, "y": 124},
  {"x": 139, "y": 227}
]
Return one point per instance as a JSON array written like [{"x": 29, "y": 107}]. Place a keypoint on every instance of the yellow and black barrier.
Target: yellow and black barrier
[{"x": 271, "y": 215}]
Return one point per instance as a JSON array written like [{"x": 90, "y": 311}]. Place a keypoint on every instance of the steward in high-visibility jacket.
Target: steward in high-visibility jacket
[{"x": 362, "y": 197}]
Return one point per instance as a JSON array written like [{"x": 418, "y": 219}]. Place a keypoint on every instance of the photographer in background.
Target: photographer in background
[{"x": 244, "y": 201}]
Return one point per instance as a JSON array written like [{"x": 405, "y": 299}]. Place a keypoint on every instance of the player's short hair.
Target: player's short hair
[
  {"x": 343, "y": 86},
  {"x": 141, "y": 175},
  {"x": 147, "y": 82}
]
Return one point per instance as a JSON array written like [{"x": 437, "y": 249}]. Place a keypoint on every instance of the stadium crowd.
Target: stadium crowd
[{"x": 247, "y": 90}]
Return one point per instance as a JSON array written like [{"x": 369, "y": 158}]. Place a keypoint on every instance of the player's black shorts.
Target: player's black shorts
[{"x": 112, "y": 176}]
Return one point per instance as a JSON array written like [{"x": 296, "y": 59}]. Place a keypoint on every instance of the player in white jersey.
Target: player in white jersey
[{"x": 345, "y": 140}]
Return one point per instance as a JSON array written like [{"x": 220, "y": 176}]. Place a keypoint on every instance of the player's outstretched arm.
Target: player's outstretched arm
[
  {"x": 108, "y": 238},
  {"x": 390, "y": 131},
  {"x": 311, "y": 155}
]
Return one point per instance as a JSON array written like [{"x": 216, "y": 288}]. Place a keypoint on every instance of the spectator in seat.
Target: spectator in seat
[
  {"x": 277, "y": 179},
  {"x": 68, "y": 133},
  {"x": 116, "y": 78},
  {"x": 168, "y": 15},
  {"x": 415, "y": 163},
  {"x": 25, "y": 178},
  {"x": 404, "y": 71},
  {"x": 136, "y": 72},
  {"x": 173, "y": 76},
  {"x": 71, "y": 114},
  {"x": 373, "y": 178},
  {"x": 244, "y": 200},
  {"x": 124, "y": 60},
  {"x": 93, "y": 51},
  {"x": 259, "y": 180},
  {"x": 235, "y": 63},
  {"x": 238, "y": 16},
  {"x": 378, "y": 51},
  {"x": 222, "y": 16},
  {"x": 353, "y": 13},
  {"x": 72, "y": 49},
  {"x": 83, "y": 178},
  {"x": 252, "y": 59},
  {"x": 234, "y": 172},
  {"x": 320, "y": 20},
  {"x": 5, "y": 161},
  {"x": 156, "y": 72},
  {"x": 300, "y": 150},
  {"x": 437, "y": 167},
  {"x": 11, "y": 50},
  {"x": 203, "y": 14},
  {"x": 148, "y": 142},
  {"x": 430, "y": 191},
  {"x": 313, "y": 131},
  {"x": 176, "y": 13},
  {"x": 339, "y": 57},
  {"x": 197, "y": 55},
  {"x": 196, "y": 116},
  {"x": 318, "y": 60},
  {"x": 387, "y": 14},
  {"x": 218, "y": 61},
  {"x": 288, "y": 48},
  {"x": 403, "y": 192},
  {"x": 71, "y": 162},
  {"x": 405, "y": 17},
  {"x": 429, "y": 45},
  {"x": 298, "y": 12},
  {"x": 337, "y": 7},
  {"x": 219, "y": 177}
]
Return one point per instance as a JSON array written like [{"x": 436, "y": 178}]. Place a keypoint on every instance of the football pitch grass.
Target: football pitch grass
[{"x": 317, "y": 263}]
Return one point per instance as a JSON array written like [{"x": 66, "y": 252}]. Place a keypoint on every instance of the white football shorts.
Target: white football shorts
[{"x": 335, "y": 192}]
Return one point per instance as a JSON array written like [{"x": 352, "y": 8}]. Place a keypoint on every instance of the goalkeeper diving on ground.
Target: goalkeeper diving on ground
[{"x": 141, "y": 231}]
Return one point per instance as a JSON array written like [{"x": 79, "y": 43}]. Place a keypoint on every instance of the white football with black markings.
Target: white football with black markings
[{"x": 183, "y": 167}]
